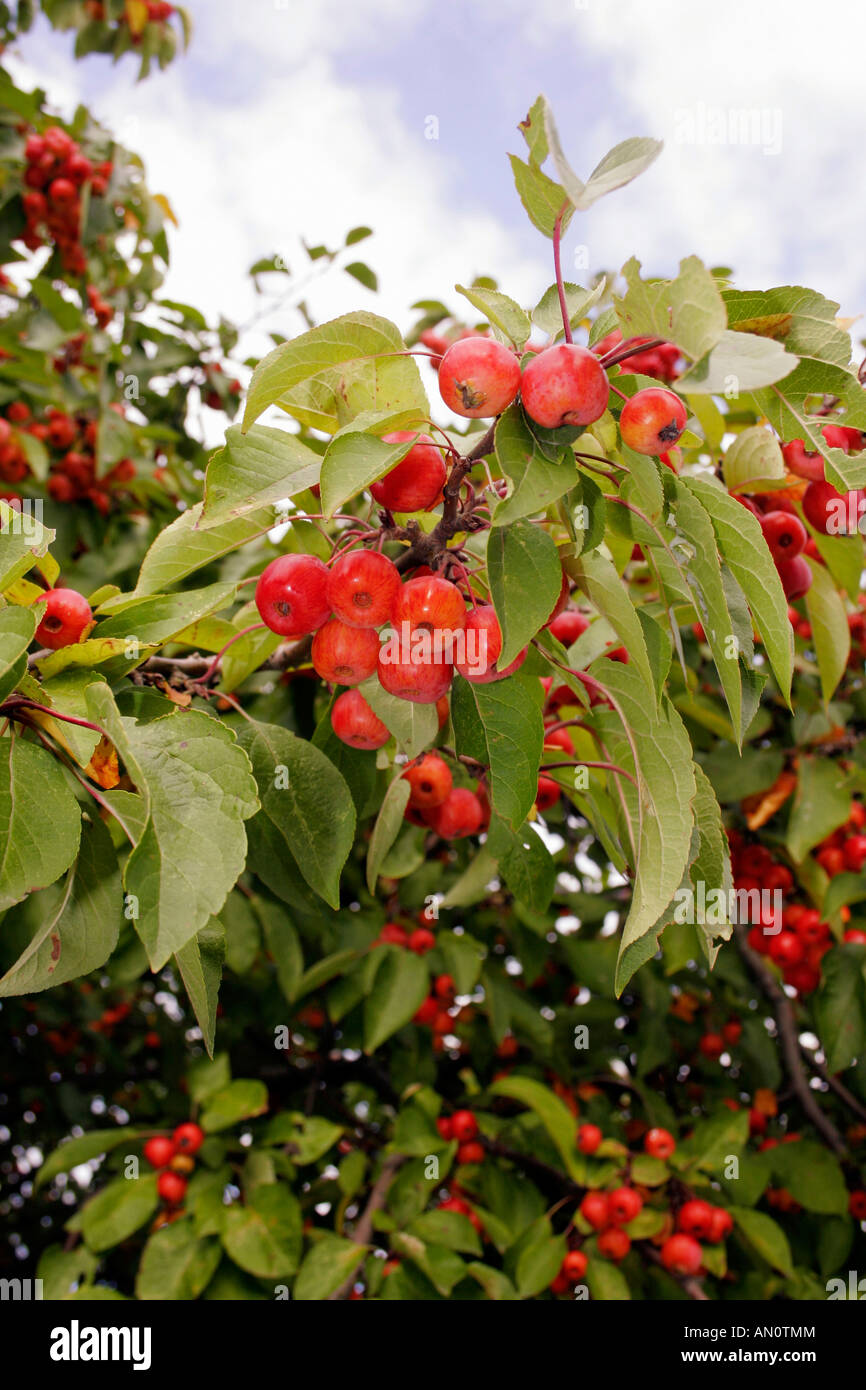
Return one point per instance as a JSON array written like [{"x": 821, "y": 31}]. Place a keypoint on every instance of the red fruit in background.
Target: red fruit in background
[
  {"x": 421, "y": 682},
  {"x": 786, "y": 949},
  {"x": 354, "y": 722},
  {"x": 695, "y": 1218},
  {"x": 444, "y": 987},
  {"x": 18, "y": 412},
  {"x": 421, "y": 941},
  {"x": 857, "y": 1204},
  {"x": 66, "y": 616},
  {"x": 832, "y": 861},
  {"x": 594, "y": 1209},
  {"x": 855, "y": 936},
  {"x": 784, "y": 534},
  {"x": 483, "y": 646},
  {"x": 624, "y": 1204},
  {"x": 446, "y": 1132},
  {"x": 61, "y": 432},
  {"x": 854, "y": 850},
  {"x": 392, "y": 934},
  {"x": 362, "y": 588},
  {"x": 559, "y": 738},
  {"x": 464, "y": 1125},
  {"x": 564, "y": 385},
  {"x": 826, "y": 509},
  {"x": 796, "y": 577},
  {"x": 574, "y": 1266},
  {"x": 659, "y": 1143},
  {"x": 721, "y": 1225},
  {"x": 568, "y": 626},
  {"x": 471, "y": 1152},
  {"x": 159, "y": 1151},
  {"x": 712, "y": 1045},
  {"x": 800, "y": 461},
  {"x": 843, "y": 437},
  {"x": 459, "y": 815},
  {"x": 479, "y": 377},
  {"x": 345, "y": 655},
  {"x": 588, "y": 1138},
  {"x": 732, "y": 1032},
  {"x": 426, "y": 1014},
  {"x": 652, "y": 420},
  {"x": 804, "y": 978},
  {"x": 171, "y": 1188},
  {"x": 291, "y": 595},
  {"x": 809, "y": 927},
  {"x": 614, "y": 1244},
  {"x": 429, "y": 780},
  {"x": 415, "y": 483},
  {"x": 681, "y": 1254},
  {"x": 430, "y": 603},
  {"x": 188, "y": 1137},
  {"x": 548, "y": 793},
  {"x": 748, "y": 504},
  {"x": 62, "y": 191}
]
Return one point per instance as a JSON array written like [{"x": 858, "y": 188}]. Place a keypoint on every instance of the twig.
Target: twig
[{"x": 364, "y": 1228}]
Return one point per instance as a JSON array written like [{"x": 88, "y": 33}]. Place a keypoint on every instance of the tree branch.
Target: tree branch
[{"x": 364, "y": 1229}]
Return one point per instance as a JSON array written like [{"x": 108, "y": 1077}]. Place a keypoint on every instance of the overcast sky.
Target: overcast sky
[{"x": 292, "y": 119}]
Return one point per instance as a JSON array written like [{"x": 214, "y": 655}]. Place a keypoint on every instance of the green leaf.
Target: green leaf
[
  {"x": 606, "y": 1282},
  {"x": 40, "y": 820},
  {"x": 23, "y": 543},
  {"x": 176, "y": 1264},
  {"x": 118, "y": 1211},
  {"x": 264, "y": 1237},
  {"x": 77, "y": 1151},
  {"x": 307, "y": 1138},
  {"x": 812, "y": 1175},
  {"x": 831, "y": 636},
  {"x": 353, "y": 460},
  {"x": 495, "y": 1284},
  {"x": 182, "y": 548},
  {"x": 200, "y": 963},
  {"x": 389, "y": 823},
  {"x": 542, "y": 198},
  {"x": 414, "y": 726},
  {"x": 239, "y": 1100},
  {"x": 538, "y": 1264},
  {"x": 840, "y": 1007},
  {"x": 255, "y": 470},
  {"x": 501, "y": 311},
  {"x": 754, "y": 457},
  {"x": 17, "y": 629},
  {"x": 442, "y": 1267},
  {"x": 821, "y": 804},
  {"x": 328, "y": 376},
  {"x": 156, "y": 618},
  {"x": 596, "y": 577},
  {"x": 326, "y": 1266},
  {"x": 547, "y": 313},
  {"x": 284, "y": 945},
  {"x": 768, "y": 1239},
  {"x": 712, "y": 1140},
  {"x": 70, "y": 928},
  {"x": 539, "y": 473},
  {"x": 626, "y": 161},
  {"x": 306, "y": 802},
  {"x": 500, "y": 725},
  {"x": 400, "y": 987},
  {"x": 197, "y": 790},
  {"x": 449, "y": 1228},
  {"x": 525, "y": 581},
  {"x": 739, "y": 362},
  {"x": 688, "y": 311},
  {"x": 553, "y": 1113}
]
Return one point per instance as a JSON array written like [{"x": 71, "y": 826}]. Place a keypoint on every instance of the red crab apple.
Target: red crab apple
[
  {"x": 478, "y": 377},
  {"x": 828, "y": 510},
  {"x": 784, "y": 534},
  {"x": 595, "y": 1209},
  {"x": 464, "y": 1125},
  {"x": 796, "y": 577},
  {"x": 614, "y": 1244},
  {"x": 66, "y": 616},
  {"x": 291, "y": 595},
  {"x": 659, "y": 1143},
  {"x": 624, "y": 1204},
  {"x": 548, "y": 793},
  {"x": 484, "y": 647},
  {"x": 354, "y": 722},
  {"x": 574, "y": 1266},
  {"x": 681, "y": 1254},
  {"x": 564, "y": 385},
  {"x": 345, "y": 655},
  {"x": 189, "y": 1137},
  {"x": 695, "y": 1218},
  {"x": 419, "y": 681},
  {"x": 588, "y": 1138},
  {"x": 568, "y": 626},
  {"x": 362, "y": 588},
  {"x": 159, "y": 1151},
  {"x": 429, "y": 780},
  {"x": 652, "y": 420},
  {"x": 431, "y": 603},
  {"x": 460, "y": 814},
  {"x": 171, "y": 1188},
  {"x": 415, "y": 484}
]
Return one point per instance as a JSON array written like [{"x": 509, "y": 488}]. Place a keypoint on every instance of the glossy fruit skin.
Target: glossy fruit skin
[
  {"x": 659, "y": 1143},
  {"x": 574, "y": 1266},
  {"x": 568, "y": 626},
  {"x": 857, "y": 1205},
  {"x": 422, "y": 683},
  {"x": 188, "y": 1137},
  {"x": 344, "y": 655},
  {"x": 171, "y": 1188},
  {"x": 292, "y": 596},
  {"x": 415, "y": 483},
  {"x": 564, "y": 385},
  {"x": 471, "y": 1152},
  {"x": 721, "y": 1225},
  {"x": 595, "y": 1209},
  {"x": 614, "y": 1244},
  {"x": 786, "y": 949},
  {"x": 392, "y": 934},
  {"x": 354, "y": 722},
  {"x": 854, "y": 850},
  {"x": 652, "y": 420},
  {"x": 362, "y": 588},
  {"x": 430, "y": 603},
  {"x": 445, "y": 1128},
  {"x": 159, "y": 1151},
  {"x": 826, "y": 509},
  {"x": 796, "y": 577},
  {"x": 463, "y": 1125},
  {"x": 695, "y": 1218},
  {"x": 624, "y": 1204},
  {"x": 785, "y": 535},
  {"x": 66, "y": 616},
  {"x": 801, "y": 462},
  {"x": 548, "y": 793},
  {"x": 559, "y": 738},
  {"x": 681, "y": 1254},
  {"x": 588, "y": 1138},
  {"x": 421, "y": 941},
  {"x": 484, "y": 648},
  {"x": 478, "y": 377},
  {"x": 430, "y": 781},
  {"x": 460, "y": 814}
]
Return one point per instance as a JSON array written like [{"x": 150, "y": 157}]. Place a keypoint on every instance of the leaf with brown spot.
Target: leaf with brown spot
[
  {"x": 761, "y": 807},
  {"x": 102, "y": 768},
  {"x": 776, "y": 326}
]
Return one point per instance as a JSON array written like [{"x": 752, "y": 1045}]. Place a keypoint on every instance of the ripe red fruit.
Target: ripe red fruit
[
  {"x": 392, "y": 934},
  {"x": 732, "y": 1032},
  {"x": 426, "y": 1014},
  {"x": 652, "y": 420},
  {"x": 362, "y": 588},
  {"x": 421, "y": 682},
  {"x": 659, "y": 1143},
  {"x": 291, "y": 595},
  {"x": 802, "y": 462},
  {"x": 460, "y": 814},
  {"x": 784, "y": 534},
  {"x": 564, "y": 385},
  {"x": 721, "y": 1225},
  {"x": 681, "y": 1255},
  {"x": 444, "y": 987},
  {"x": 446, "y": 1131},
  {"x": 624, "y": 1204},
  {"x": 568, "y": 626},
  {"x": 594, "y": 1209},
  {"x": 415, "y": 483},
  {"x": 345, "y": 655},
  {"x": 803, "y": 978},
  {"x": 66, "y": 616},
  {"x": 832, "y": 861},
  {"x": 171, "y": 1188},
  {"x": 826, "y": 509},
  {"x": 695, "y": 1218},
  {"x": 470, "y": 1153},
  {"x": 189, "y": 1137},
  {"x": 854, "y": 850},
  {"x": 464, "y": 1125},
  {"x": 478, "y": 377},
  {"x": 354, "y": 722},
  {"x": 483, "y": 645},
  {"x": 421, "y": 941},
  {"x": 614, "y": 1244},
  {"x": 588, "y": 1138},
  {"x": 712, "y": 1045},
  {"x": 548, "y": 793},
  {"x": 855, "y": 936},
  {"x": 429, "y": 780},
  {"x": 430, "y": 603},
  {"x": 62, "y": 191},
  {"x": 857, "y": 1204},
  {"x": 786, "y": 949},
  {"x": 159, "y": 1151},
  {"x": 574, "y": 1266},
  {"x": 559, "y": 738},
  {"x": 796, "y": 577}
]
